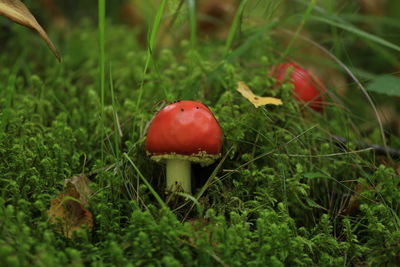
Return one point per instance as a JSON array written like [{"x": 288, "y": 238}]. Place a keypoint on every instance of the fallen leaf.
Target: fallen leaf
[
  {"x": 254, "y": 99},
  {"x": 81, "y": 183},
  {"x": 68, "y": 208},
  {"x": 16, "y": 11}
]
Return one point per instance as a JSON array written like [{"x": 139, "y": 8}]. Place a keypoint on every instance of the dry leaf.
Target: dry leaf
[
  {"x": 254, "y": 99},
  {"x": 16, "y": 11},
  {"x": 68, "y": 209}
]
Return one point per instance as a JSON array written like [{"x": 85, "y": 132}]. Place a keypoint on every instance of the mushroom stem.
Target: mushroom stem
[{"x": 178, "y": 175}]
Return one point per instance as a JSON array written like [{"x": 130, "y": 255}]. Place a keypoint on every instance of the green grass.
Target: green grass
[
  {"x": 10, "y": 86},
  {"x": 102, "y": 64},
  {"x": 235, "y": 27},
  {"x": 278, "y": 196},
  {"x": 192, "y": 20},
  {"x": 152, "y": 35}
]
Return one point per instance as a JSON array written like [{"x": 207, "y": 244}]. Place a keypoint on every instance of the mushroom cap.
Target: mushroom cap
[
  {"x": 307, "y": 88},
  {"x": 184, "y": 130}
]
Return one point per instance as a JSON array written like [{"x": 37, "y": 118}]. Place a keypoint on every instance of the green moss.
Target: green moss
[{"x": 277, "y": 199}]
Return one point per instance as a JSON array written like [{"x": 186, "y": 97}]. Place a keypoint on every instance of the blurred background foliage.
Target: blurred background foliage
[{"x": 363, "y": 34}]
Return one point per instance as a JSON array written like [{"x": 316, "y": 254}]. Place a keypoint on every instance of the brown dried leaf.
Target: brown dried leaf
[
  {"x": 254, "y": 99},
  {"x": 16, "y": 11},
  {"x": 81, "y": 183},
  {"x": 68, "y": 209}
]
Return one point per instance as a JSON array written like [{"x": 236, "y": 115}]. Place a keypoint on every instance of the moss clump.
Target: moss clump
[{"x": 279, "y": 196}]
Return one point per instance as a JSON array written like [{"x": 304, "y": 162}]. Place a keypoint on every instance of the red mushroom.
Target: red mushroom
[
  {"x": 181, "y": 133},
  {"x": 307, "y": 88}
]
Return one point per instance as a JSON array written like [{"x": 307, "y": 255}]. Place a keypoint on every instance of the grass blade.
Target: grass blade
[
  {"x": 358, "y": 32},
  {"x": 117, "y": 126},
  {"x": 150, "y": 47},
  {"x": 102, "y": 77},
  {"x": 234, "y": 28},
  {"x": 153, "y": 192},
  {"x": 306, "y": 16},
  {"x": 208, "y": 182},
  {"x": 192, "y": 20}
]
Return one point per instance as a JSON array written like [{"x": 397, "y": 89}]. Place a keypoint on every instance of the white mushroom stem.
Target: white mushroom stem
[{"x": 178, "y": 175}]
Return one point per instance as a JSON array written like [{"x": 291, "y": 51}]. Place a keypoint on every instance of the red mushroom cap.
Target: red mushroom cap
[
  {"x": 307, "y": 88},
  {"x": 185, "y": 129}
]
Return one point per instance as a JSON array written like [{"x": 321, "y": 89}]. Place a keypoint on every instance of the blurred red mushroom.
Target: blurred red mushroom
[{"x": 307, "y": 88}]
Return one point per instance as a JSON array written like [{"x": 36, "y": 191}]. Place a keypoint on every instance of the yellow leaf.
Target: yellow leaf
[
  {"x": 16, "y": 11},
  {"x": 68, "y": 208},
  {"x": 254, "y": 99}
]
